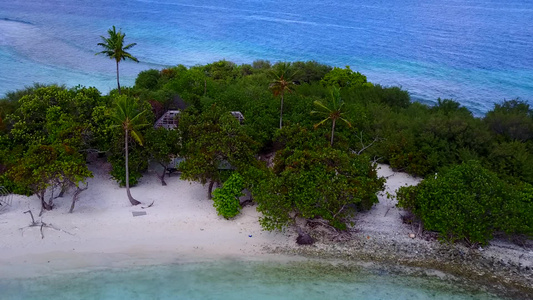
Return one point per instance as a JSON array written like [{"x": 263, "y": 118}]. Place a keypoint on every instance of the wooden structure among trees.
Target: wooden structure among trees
[
  {"x": 5, "y": 198},
  {"x": 168, "y": 120},
  {"x": 238, "y": 115}
]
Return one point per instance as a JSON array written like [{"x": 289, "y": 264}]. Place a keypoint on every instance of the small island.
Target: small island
[{"x": 259, "y": 159}]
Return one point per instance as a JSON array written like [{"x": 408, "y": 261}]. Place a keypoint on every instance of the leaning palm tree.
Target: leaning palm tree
[
  {"x": 331, "y": 111},
  {"x": 282, "y": 81},
  {"x": 127, "y": 115},
  {"x": 114, "y": 48}
]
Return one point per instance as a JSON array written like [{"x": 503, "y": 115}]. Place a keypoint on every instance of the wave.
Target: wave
[
  {"x": 502, "y": 8},
  {"x": 14, "y": 20},
  {"x": 30, "y": 42},
  {"x": 280, "y": 20},
  {"x": 218, "y": 8},
  {"x": 33, "y": 43}
]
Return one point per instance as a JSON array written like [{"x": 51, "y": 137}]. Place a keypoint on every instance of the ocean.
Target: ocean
[
  {"x": 234, "y": 279},
  {"x": 477, "y": 52}
]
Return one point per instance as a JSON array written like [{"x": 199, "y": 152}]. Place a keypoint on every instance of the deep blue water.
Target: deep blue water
[
  {"x": 477, "y": 52},
  {"x": 236, "y": 280}
]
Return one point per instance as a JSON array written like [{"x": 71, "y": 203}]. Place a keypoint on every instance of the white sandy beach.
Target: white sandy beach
[
  {"x": 182, "y": 225},
  {"x": 102, "y": 231}
]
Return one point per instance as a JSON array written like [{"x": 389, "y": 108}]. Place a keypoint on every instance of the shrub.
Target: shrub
[
  {"x": 226, "y": 199},
  {"x": 468, "y": 202},
  {"x": 518, "y": 217},
  {"x": 148, "y": 79},
  {"x": 310, "y": 180},
  {"x": 344, "y": 78},
  {"x": 511, "y": 120},
  {"x": 512, "y": 159},
  {"x": 394, "y": 96}
]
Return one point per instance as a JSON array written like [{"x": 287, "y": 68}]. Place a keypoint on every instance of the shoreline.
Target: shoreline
[
  {"x": 182, "y": 227},
  {"x": 104, "y": 231},
  {"x": 503, "y": 275}
]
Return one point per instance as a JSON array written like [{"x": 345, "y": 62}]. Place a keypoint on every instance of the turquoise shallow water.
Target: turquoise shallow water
[
  {"x": 474, "y": 51},
  {"x": 235, "y": 280}
]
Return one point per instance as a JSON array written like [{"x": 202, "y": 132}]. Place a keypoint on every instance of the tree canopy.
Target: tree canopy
[{"x": 47, "y": 131}]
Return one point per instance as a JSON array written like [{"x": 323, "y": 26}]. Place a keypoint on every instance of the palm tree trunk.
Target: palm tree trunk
[
  {"x": 332, "y": 131},
  {"x": 210, "y": 189},
  {"x": 281, "y": 112},
  {"x": 118, "y": 83},
  {"x": 132, "y": 200},
  {"x": 163, "y": 182}
]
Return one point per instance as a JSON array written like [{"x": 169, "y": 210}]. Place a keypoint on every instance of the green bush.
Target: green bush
[
  {"x": 468, "y": 202},
  {"x": 511, "y": 120},
  {"x": 311, "y": 180},
  {"x": 226, "y": 199},
  {"x": 148, "y": 79},
  {"x": 520, "y": 217},
  {"x": 512, "y": 160},
  {"x": 394, "y": 96}
]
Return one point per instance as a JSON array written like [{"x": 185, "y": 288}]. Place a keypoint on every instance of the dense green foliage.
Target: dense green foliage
[
  {"x": 344, "y": 78},
  {"x": 163, "y": 145},
  {"x": 468, "y": 202},
  {"x": 213, "y": 142},
  {"x": 311, "y": 180},
  {"x": 311, "y": 177},
  {"x": 48, "y": 132},
  {"x": 226, "y": 199}
]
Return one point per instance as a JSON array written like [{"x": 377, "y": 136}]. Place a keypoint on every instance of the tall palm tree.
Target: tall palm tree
[
  {"x": 127, "y": 115},
  {"x": 282, "y": 81},
  {"x": 114, "y": 48},
  {"x": 331, "y": 111}
]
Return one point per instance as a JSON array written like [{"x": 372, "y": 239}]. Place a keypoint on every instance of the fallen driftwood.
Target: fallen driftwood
[
  {"x": 41, "y": 225},
  {"x": 151, "y": 204}
]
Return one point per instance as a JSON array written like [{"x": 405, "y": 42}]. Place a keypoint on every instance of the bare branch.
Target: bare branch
[
  {"x": 363, "y": 146},
  {"x": 31, "y": 214},
  {"x": 340, "y": 210},
  {"x": 41, "y": 225}
]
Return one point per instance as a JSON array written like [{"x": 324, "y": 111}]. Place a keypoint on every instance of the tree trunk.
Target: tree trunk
[
  {"x": 163, "y": 175},
  {"x": 332, "y": 131},
  {"x": 118, "y": 83},
  {"x": 51, "y": 201},
  {"x": 75, "y": 197},
  {"x": 64, "y": 187},
  {"x": 281, "y": 112},
  {"x": 210, "y": 189},
  {"x": 44, "y": 205},
  {"x": 132, "y": 200}
]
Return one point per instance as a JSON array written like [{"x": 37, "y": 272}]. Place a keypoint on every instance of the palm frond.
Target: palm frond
[
  {"x": 129, "y": 46},
  {"x": 136, "y": 136},
  {"x": 138, "y": 116},
  {"x": 321, "y": 105},
  {"x": 347, "y": 122},
  {"x": 320, "y": 123}
]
